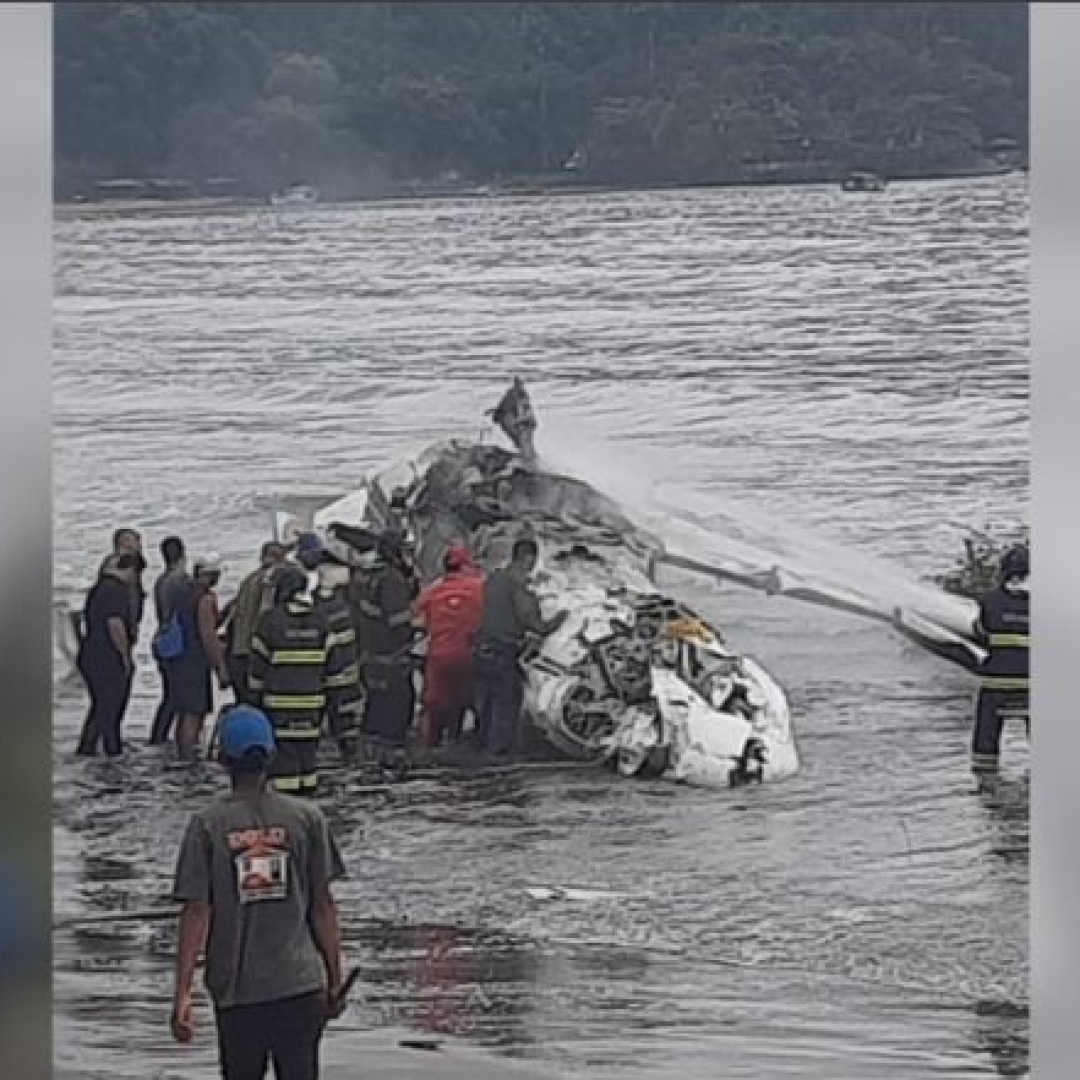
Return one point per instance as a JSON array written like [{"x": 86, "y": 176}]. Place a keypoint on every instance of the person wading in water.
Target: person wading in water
[
  {"x": 197, "y": 607},
  {"x": 166, "y": 591},
  {"x": 253, "y": 600},
  {"x": 254, "y": 875},
  {"x": 105, "y": 654}
]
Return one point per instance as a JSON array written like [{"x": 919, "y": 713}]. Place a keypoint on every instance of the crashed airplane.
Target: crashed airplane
[{"x": 633, "y": 678}]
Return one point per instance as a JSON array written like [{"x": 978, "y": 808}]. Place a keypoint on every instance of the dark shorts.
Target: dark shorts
[
  {"x": 287, "y": 1032},
  {"x": 189, "y": 686}
]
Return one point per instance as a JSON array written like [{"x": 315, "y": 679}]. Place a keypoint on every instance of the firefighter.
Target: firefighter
[
  {"x": 449, "y": 611},
  {"x": 294, "y": 662},
  {"x": 343, "y": 692},
  {"x": 384, "y": 607},
  {"x": 1002, "y": 628}
]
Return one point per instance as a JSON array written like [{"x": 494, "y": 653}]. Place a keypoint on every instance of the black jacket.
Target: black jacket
[
  {"x": 295, "y": 662},
  {"x": 1003, "y": 627}
]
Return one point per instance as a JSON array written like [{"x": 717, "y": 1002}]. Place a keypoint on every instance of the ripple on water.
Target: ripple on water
[{"x": 795, "y": 370}]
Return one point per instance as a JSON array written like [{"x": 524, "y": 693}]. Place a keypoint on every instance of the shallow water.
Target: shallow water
[{"x": 841, "y": 375}]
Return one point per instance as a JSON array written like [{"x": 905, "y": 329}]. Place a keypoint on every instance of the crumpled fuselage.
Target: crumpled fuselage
[{"x": 632, "y": 677}]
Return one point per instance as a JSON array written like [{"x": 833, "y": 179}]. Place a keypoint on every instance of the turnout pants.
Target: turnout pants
[
  {"x": 287, "y": 1032},
  {"x": 501, "y": 685},
  {"x": 294, "y": 770},
  {"x": 343, "y": 720},
  {"x": 391, "y": 702},
  {"x": 110, "y": 690},
  {"x": 991, "y": 710}
]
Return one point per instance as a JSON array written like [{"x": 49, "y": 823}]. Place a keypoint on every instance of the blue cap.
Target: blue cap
[
  {"x": 244, "y": 729},
  {"x": 308, "y": 543}
]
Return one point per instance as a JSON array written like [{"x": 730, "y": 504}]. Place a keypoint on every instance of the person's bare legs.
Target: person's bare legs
[{"x": 189, "y": 735}]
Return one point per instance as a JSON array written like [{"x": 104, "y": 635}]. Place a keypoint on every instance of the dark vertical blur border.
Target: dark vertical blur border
[
  {"x": 1055, "y": 352},
  {"x": 25, "y": 563}
]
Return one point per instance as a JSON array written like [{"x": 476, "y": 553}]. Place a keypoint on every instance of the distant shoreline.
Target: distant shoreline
[{"x": 524, "y": 189}]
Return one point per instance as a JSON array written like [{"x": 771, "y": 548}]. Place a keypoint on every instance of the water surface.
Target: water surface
[{"x": 795, "y": 366}]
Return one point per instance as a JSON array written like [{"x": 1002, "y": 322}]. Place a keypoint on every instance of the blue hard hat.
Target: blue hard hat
[{"x": 243, "y": 729}]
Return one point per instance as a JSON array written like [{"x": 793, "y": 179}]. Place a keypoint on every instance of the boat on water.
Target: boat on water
[
  {"x": 634, "y": 678},
  {"x": 295, "y": 196},
  {"x": 861, "y": 180}
]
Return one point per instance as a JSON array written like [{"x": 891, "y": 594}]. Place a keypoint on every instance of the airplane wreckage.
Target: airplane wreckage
[{"x": 634, "y": 677}]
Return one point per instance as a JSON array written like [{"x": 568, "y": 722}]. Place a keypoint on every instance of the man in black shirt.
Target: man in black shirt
[
  {"x": 129, "y": 542},
  {"x": 105, "y": 654}
]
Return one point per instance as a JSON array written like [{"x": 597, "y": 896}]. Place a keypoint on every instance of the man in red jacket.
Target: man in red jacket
[{"x": 449, "y": 611}]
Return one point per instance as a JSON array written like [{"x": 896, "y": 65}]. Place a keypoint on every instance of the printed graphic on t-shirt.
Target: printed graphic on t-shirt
[{"x": 262, "y": 864}]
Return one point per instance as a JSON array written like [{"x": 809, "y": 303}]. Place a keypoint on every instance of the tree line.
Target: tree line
[{"x": 356, "y": 97}]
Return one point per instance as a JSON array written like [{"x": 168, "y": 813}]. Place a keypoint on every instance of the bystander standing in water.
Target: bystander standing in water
[
  {"x": 510, "y": 612},
  {"x": 254, "y": 876},
  {"x": 197, "y": 607},
  {"x": 106, "y": 655},
  {"x": 166, "y": 591},
  {"x": 129, "y": 542},
  {"x": 253, "y": 600},
  {"x": 449, "y": 611}
]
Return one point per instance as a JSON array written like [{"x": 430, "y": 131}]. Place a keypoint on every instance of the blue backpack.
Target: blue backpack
[{"x": 169, "y": 640}]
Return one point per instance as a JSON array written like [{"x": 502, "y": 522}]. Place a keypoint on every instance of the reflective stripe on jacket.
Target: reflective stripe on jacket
[
  {"x": 1004, "y": 625},
  {"x": 292, "y": 663},
  {"x": 343, "y": 685}
]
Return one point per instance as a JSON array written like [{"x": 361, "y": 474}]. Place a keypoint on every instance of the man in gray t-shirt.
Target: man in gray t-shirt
[{"x": 254, "y": 876}]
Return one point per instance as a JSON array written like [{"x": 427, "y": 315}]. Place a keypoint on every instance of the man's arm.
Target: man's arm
[
  {"x": 259, "y": 662},
  {"x": 208, "y": 633},
  {"x": 527, "y": 606},
  {"x": 421, "y": 610},
  {"x": 194, "y": 925},
  {"x": 192, "y": 887},
  {"x": 118, "y": 634},
  {"x": 325, "y": 866},
  {"x": 324, "y": 925},
  {"x": 159, "y": 601},
  {"x": 396, "y": 600}
]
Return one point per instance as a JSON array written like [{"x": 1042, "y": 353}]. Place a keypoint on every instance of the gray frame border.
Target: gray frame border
[
  {"x": 1055, "y": 333},
  {"x": 25, "y": 562},
  {"x": 25, "y": 648}
]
